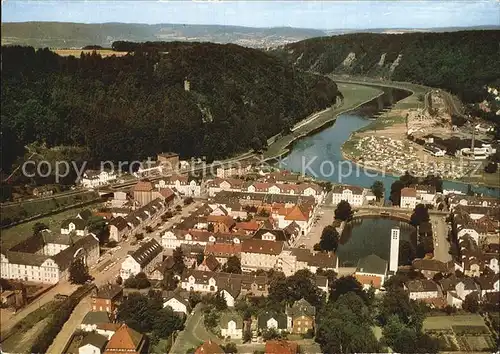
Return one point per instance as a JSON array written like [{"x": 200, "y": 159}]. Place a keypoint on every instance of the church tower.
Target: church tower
[{"x": 393, "y": 263}]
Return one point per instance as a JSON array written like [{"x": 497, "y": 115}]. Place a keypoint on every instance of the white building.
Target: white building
[
  {"x": 76, "y": 225},
  {"x": 393, "y": 263},
  {"x": 177, "y": 303},
  {"x": 93, "y": 343},
  {"x": 292, "y": 260},
  {"x": 408, "y": 198},
  {"x": 231, "y": 325},
  {"x": 181, "y": 184},
  {"x": 231, "y": 171},
  {"x": 354, "y": 195},
  {"x": 144, "y": 259},
  {"x": 422, "y": 289},
  {"x": 32, "y": 259},
  {"x": 118, "y": 227},
  {"x": 260, "y": 254},
  {"x": 93, "y": 179}
]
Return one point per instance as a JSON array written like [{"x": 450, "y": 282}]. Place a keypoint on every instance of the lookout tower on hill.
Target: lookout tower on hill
[{"x": 187, "y": 85}]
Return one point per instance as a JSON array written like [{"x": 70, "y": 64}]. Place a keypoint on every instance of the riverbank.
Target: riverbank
[
  {"x": 392, "y": 125},
  {"x": 354, "y": 96}
]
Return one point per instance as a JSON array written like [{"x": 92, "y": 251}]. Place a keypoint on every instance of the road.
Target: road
[
  {"x": 324, "y": 218},
  {"x": 74, "y": 321},
  {"x": 194, "y": 333},
  {"x": 440, "y": 233}
]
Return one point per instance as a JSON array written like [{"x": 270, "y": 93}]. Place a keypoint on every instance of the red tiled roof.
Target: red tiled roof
[
  {"x": 376, "y": 282},
  {"x": 281, "y": 347},
  {"x": 209, "y": 347},
  {"x": 223, "y": 219},
  {"x": 248, "y": 225},
  {"x": 296, "y": 214},
  {"x": 125, "y": 338},
  {"x": 223, "y": 248},
  {"x": 142, "y": 186},
  {"x": 409, "y": 192}
]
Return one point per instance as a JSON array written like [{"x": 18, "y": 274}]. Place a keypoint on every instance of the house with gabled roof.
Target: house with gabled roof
[
  {"x": 272, "y": 320},
  {"x": 76, "y": 225},
  {"x": 107, "y": 298},
  {"x": 354, "y": 195},
  {"x": 229, "y": 287},
  {"x": 260, "y": 254},
  {"x": 422, "y": 289},
  {"x": 231, "y": 325},
  {"x": 144, "y": 259},
  {"x": 223, "y": 251},
  {"x": 294, "y": 259},
  {"x": 94, "y": 318},
  {"x": 281, "y": 347},
  {"x": 92, "y": 343},
  {"x": 94, "y": 178},
  {"x": 300, "y": 317},
  {"x": 210, "y": 263},
  {"x": 118, "y": 227},
  {"x": 177, "y": 303},
  {"x": 209, "y": 347},
  {"x": 126, "y": 340}
]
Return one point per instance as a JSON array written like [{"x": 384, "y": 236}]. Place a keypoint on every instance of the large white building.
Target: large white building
[
  {"x": 260, "y": 254},
  {"x": 46, "y": 257},
  {"x": 144, "y": 259},
  {"x": 408, "y": 198},
  {"x": 354, "y": 195},
  {"x": 93, "y": 179},
  {"x": 292, "y": 260},
  {"x": 181, "y": 184}
]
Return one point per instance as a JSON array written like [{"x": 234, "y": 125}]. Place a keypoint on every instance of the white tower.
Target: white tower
[{"x": 393, "y": 263}]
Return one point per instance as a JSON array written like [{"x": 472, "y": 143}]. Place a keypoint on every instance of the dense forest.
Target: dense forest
[
  {"x": 131, "y": 107},
  {"x": 462, "y": 62}
]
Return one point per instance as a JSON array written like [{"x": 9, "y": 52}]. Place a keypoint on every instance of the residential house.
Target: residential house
[
  {"x": 231, "y": 325},
  {"x": 210, "y": 263},
  {"x": 422, "y": 289},
  {"x": 292, "y": 260},
  {"x": 94, "y": 179},
  {"x": 302, "y": 215},
  {"x": 371, "y": 271},
  {"x": 229, "y": 287},
  {"x": 425, "y": 194},
  {"x": 92, "y": 343},
  {"x": 300, "y": 317},
  {"x": 272, "y": 320},
  {"x": 223, "y": 251},
  {"x": 281, "y": 347},
  {"x": 107, "y": 298},
  {"x": 224, "y": 184},
  {"x": 260, "y": 254},
  {"x": 177, "y": 303},
  {"x": 430, "y": 267},
  {"x": 76, "y": 225},
  {"x": 119, "y": 199},
  {"x": 44, "y": 191},
  {"x": 107, "y": 329},
  {"x": 118, "y": 227},
  {"x": 408, "y": 198},
  {"x": 465, "y": 286},
  {"x": 94, "y": 318},
  {"x": 221, "y": 223},
  {"x": 126, "y": 340},
  {"x": 159, "y": 271},
  {"x": 489, "y": 284},
  {"x": 144, "y": 259},
  {"x": 354, "y": 195},
  {"x": 142, "y": 192},
  {"x": 234, "y": 170},
  {"x": 209, "y": 347}
]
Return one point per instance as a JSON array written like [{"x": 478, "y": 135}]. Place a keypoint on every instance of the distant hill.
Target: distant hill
[
  {"x": 462, "y": 62},
  {"x": 409, "y": 30},
  {"x": 130, "y": 107},
  {"x": 77, "y": 35}
]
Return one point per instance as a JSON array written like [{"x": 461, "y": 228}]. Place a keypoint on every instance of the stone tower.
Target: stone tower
[
  {"x": 393, "y": 262},
  {"x": 187, "y": 85}
]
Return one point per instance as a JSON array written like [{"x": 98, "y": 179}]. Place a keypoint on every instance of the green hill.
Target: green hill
[
  {"x": 462, "y": 62},
  {"x": 131, "y": 107}
]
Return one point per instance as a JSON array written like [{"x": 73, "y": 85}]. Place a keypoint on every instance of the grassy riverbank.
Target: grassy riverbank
[{"x": 354, "y": 96}]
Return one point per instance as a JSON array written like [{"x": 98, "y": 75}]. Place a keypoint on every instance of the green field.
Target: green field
[
  {"x": 445, "y": 323},
  {"x": 354, "y": 95},
  {"x": 13, "y": 235}
]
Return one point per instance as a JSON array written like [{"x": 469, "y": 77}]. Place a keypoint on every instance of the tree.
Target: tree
[
  {"x": 139, "y": 312},
  {"x": 420, "y": 214},
  {"x": 378, "y": 189},
  {"x": 166, "y": 322},
  {"x": 188, "y": 200},
  {"x": 404, "y": 339},
  {"x": 149, "y": 229},
  {"x": 406, "y": 253},
  {"x": 470, "y": 303},
  {"x": 178, "y": 208},
  {"x": 316, "y": 247},
  {"x": 229, "y": 348},
  {"x": 211, "y": 318},
  {"x": 39, "y": 226},
  {"x": 491, "y": 167},
  {"x": 179, "y": 265},
  {"x": 396, "y": 188},
  {"x": 119, "y": 280},
  {"x": 98, "y": 226},
  {"x": 344, "y": 285},
  {"x": 78, "y": 272},
  {"x": 142, "y": 281},
  {"x": 220, "y": 302},
  {"x": 233, "y": 265},
  {"x": 270, "y": 334},
  {"x": 329, "y": 239},
  {"x": 396, "y": 301},
  {"x": 194, "y": 299},
  {"x": 199, "y": 258},
  {"x": 169, "y": 281},
  {"x": 343, "y": 211}
]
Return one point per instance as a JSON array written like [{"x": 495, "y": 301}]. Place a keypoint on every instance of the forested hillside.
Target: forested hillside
[
  {"x": 131, "y": 107},
  {"x": 462, "y": 62}
]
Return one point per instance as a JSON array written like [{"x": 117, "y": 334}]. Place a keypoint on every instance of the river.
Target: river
[{"x": 320, "y": 155}]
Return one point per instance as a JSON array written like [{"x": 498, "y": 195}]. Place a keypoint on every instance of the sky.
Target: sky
[{"x": 302, "y": 14}]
